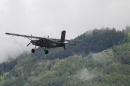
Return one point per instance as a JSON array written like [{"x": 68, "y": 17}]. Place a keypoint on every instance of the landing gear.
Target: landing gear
[
  {"x": 46, "y": 52},
  {"x": 64, "y": 48},
  {"x": 33, "y": 50}
]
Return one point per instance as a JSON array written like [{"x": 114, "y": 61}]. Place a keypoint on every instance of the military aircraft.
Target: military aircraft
[{"x": 45, "y": 43}]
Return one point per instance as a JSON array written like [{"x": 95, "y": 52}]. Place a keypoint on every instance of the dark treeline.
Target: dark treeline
[
  {"x": 7, "y": 66},
  {"x": 102, "y": 39}
]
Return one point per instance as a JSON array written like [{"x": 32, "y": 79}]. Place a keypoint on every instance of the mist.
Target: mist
[
  {"x": 85, "y": 75},
  {"x": 43, "y": 17},
  {"x": 102, "y": 58}
]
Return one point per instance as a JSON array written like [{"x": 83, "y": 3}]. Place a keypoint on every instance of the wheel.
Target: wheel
[
  {"x": 64, "y": 48},
  {"x": 33, "y": 50},
  {"x": 46, "y": 52}
]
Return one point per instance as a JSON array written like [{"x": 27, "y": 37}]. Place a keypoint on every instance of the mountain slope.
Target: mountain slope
[{"x": 104, "y": 68}]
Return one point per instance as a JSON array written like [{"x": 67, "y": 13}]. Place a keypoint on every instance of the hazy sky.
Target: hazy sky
[{"x": 50, "y": 17}]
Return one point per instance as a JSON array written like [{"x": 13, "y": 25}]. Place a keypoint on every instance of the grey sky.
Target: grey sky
[{"x": 50, "y": 17}]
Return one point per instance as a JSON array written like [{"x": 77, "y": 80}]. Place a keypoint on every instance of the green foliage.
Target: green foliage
[
  {"x": 109, "y": 71},
  {"x": 122, "y": 53},
  {"x": 6, "y": 66},
  {"x": 45, "y": 72}
]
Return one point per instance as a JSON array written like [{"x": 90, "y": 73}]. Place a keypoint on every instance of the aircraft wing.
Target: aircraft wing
[
  {"x": 50, "y": 39},
  {"x": 24, "y": 36}
]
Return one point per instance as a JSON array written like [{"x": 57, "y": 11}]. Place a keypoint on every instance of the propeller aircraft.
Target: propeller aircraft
[{"x": 46, "y": 43}]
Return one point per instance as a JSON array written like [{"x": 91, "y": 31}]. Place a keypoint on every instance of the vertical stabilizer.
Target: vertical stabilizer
[{"x": 63, "y": 35}]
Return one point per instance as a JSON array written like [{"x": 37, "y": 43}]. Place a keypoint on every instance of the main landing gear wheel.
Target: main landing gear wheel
[
  {"x": 46, "y": 52},
  {"x": 33, "y": 50}
]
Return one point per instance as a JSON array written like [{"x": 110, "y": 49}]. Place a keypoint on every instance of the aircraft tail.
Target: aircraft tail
[{"x": 63, "y": 35}]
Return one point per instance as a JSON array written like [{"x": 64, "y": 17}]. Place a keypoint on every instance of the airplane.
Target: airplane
[{"x": 45, "y": 43}]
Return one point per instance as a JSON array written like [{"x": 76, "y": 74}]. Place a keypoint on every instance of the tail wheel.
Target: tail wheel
[
  {"x": 33, "y": 50},
  {"x": 46, "y": 52}
]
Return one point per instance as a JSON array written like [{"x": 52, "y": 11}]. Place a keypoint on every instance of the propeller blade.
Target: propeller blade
[{"x": 28, "y": 44}]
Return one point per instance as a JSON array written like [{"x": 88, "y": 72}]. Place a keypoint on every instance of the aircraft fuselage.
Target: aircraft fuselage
[{"x": 47, "y": 44}]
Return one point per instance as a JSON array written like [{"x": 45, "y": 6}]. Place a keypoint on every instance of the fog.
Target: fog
[
  {"x": 50, "y": 17},
  {"x": 86, "y": 75}
]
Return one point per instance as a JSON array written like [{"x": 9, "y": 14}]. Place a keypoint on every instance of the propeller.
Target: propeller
[
  {"x": 30, "y": 41},
  {"x": 28, "y": 44}
]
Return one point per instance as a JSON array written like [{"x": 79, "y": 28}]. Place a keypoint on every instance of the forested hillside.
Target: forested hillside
[{"x": 102, "y": 60}]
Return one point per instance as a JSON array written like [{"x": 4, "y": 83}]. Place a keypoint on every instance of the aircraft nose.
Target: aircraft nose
[{"x": 33, "y": 42}]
